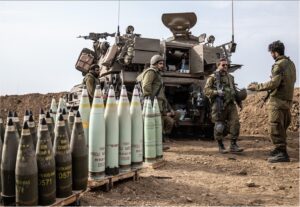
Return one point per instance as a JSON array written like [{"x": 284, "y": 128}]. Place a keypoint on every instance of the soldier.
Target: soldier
[
  {"x": 152, "y": 86},
  {"x": 222, "y": 93},
  {"x": 280, "y": 89},
  {"x": 91, "y": 80}
]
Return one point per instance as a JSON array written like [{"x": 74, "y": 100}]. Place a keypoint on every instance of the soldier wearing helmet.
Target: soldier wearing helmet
[
  {"x": 91, "y": 80},
  {"x": 222, "y": 93},
  {"x": 152, "y": 86},
  {"x": 280, "y": 89}
]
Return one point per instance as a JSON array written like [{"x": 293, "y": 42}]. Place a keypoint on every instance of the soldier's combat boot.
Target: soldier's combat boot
[
  {"x": 222, "y": 149},
  {"x": 281, "y": 156},
  {"x": 234, "y": 148},
  {"x": 274, "y": 152}
]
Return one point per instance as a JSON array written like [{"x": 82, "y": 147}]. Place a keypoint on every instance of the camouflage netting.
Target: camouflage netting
[{"x": 254, "y": 119}]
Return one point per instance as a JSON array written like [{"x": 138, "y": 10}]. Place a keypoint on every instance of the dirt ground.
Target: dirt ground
[{"x": 195, "y": 174}]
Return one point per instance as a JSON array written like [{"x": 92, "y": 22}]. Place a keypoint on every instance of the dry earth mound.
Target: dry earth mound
[
  {"x": 254, "y": 118},
  {"x": 32, "y": 101}
]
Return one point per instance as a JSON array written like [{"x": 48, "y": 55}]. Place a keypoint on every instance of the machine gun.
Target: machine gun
[{"x": 96, "y": 36}]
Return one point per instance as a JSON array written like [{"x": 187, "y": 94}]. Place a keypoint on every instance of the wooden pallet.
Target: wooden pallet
[
  {"x": 155, "y": 165},
  {"x": 108, "y": 181},
  {"x": 74, "y": 198}
]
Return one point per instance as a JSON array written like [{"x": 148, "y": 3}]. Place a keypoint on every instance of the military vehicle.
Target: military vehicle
[{"x": 189, "y": 61}]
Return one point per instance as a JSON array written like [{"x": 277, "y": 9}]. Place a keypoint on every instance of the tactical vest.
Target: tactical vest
[
  {"x": 227, "y": 85},
  {"x": 287, "y": 70}
]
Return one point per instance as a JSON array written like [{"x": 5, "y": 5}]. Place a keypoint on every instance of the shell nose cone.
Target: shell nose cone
[
  {"x": 25, "y": 126},
  {"x": 78, "y": 114},
  {"x": 42, "y": 111},
  {"x": 15, "y": 114},
  {"x": 64, "y": 111},
  {"x": 10, "y": 114},
  {"x": 43, "y": 122},
  {"x": 30, "y": 118},
  {"x": 10, "y": 122},
  {"x": 26, "y": 113},
  {"x": 60, "y": 118}
]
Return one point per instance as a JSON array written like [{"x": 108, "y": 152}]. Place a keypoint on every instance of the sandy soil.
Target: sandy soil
[{"x": 195, "y": 174}]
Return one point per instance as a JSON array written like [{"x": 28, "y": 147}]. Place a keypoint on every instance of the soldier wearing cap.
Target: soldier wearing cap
[
  {"x": 223, "y": 95},
  {"x": 91, "y": 80},
  {"x": 152, "y": 86},
  {"x": 280, "y": 89}
]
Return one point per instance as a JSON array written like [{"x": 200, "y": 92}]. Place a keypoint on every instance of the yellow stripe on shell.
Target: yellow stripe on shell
[
  {"x": 111, "y": 105},
  {"x": 124, "y": 103},
  {"x": 98, "y": 106},
  {"x": 85, "y": 124},
  {"x": 84, "y": 105},
  {"x": 136, "y": 103}
]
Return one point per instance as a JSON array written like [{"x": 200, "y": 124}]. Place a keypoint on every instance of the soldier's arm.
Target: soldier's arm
[
  {"x": 273, "y": 83},
  {"x": 147, "y": 83},
  {"x": 209, "y": 90},
  {"x": 90, "y": 86}
]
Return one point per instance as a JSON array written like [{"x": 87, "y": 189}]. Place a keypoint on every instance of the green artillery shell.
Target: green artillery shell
[
  {"x": 53, "y": 108},
  {"x": 71, "y": 119},
  {"x": 16, "y": 121},
  {"x": 50, "y": 124},
  {"x": 10, "y": 115},
  {"x": 26, "y": 171},
  {"x": 79, "y": 152},
  {"x": 63, "y": 160},
  {"x": 136, "y": 129},
  {"x": 46, "y": 166},
  {"x": 84, "y": 109},
  {"x": 62, "y": 104},
  {"x": 26, "y": 116},
  {"x": 97, "y": 137},
  {"x": 112, "y": 134},
  {"x": 2, "y": 130},
  {"x": 158, "y": 129},
  {"x": 33, "y": 130},
  {"x": 8, "y": 164},
  {"x": 65, "y": 116},
  {"x": 149, "y": 133},
  {"x": 124, "y": 131}
]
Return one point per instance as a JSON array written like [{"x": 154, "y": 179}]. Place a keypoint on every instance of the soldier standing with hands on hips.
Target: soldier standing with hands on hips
[
  {"x": 280, "y": 90},
  {"x": 222, "y": 93}
]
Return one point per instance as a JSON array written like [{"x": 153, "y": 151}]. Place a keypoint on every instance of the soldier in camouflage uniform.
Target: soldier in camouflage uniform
[
  {"x": 280, "y": 89},
  {"x": 221, "y": 91},
  {"x": 91, "y": 80},
  {"x": 152, "y": 86}
]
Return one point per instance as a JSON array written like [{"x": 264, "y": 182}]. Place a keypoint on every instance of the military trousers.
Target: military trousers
[
  {"x": 279, "y": 120},
  {"x": 226, "y": 120}
]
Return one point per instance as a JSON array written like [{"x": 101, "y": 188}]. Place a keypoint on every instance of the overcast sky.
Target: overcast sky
[{"x": 39, "y": 48}]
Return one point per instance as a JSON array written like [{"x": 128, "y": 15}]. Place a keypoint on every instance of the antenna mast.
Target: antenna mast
[
  {"x": 232, "y": 21},
  {"x": 118, "y": 31}
]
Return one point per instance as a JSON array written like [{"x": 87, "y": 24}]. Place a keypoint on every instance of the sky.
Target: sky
[{"x": 39, "y": 48}]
